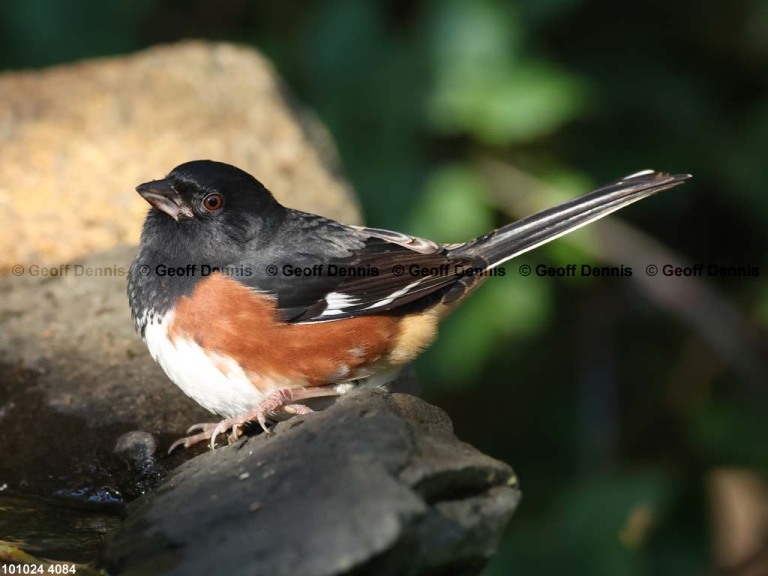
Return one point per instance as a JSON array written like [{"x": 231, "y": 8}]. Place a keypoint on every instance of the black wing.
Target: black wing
[{"x": 344, "y": 271}]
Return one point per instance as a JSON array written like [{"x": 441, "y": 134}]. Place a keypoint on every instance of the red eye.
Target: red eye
[{"x": 213, "y": 202}]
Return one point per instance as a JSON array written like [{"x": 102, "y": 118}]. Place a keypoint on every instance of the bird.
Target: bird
[{"x": 253, "y": 308}]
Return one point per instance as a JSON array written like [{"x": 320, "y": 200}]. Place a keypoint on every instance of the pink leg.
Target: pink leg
[{"x": 279, "y": 400}]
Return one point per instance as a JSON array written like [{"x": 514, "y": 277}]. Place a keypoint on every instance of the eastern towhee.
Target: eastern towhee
[{"x": 251, "y": 307}]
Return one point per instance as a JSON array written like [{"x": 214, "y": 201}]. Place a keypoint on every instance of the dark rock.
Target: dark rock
[
  {"x": 136, "y": 447},
  {"x": 376, "y": 484},
  {"x": 74, "y": 376},
  {"x": 138, "y": 451}
]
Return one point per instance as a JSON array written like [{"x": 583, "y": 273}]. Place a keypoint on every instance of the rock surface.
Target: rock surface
[
  {"x": 75, "y": 140},
  {"x": 74, "y": 376},
  {"x": 376, "y": 484}
]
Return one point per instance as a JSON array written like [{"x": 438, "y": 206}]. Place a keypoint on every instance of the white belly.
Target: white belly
[{"x": 214, "y": 381}]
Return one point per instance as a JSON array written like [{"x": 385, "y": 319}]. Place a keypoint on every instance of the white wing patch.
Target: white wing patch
[
  {"x": 337, "y": 303},
  {"x": 395, "y": 295}
]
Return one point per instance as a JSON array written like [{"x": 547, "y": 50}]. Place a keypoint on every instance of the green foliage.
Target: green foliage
[
  {"x": 482, "y": 324},
  {"x": 369, "y": 91},
  {"x": 484, "y": 86},
  {"x": 451, "y": 208},
  {"x": 603, "y": 528}
]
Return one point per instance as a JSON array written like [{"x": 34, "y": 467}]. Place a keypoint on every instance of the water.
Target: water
[{"x": 64, "y": 529}]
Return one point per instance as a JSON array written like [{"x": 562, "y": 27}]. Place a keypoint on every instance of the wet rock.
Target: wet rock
[
  {"x": 74, "y": 377},
  {"x": 376, "y": 484},
  {"x": 138, "y": 450},
  {"x": 137, "y": 447}
]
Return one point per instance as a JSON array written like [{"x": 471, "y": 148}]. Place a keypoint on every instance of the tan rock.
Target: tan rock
[{"x": 75, "y": 140}]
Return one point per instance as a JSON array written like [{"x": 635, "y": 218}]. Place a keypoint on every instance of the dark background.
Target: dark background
[{"x": 618, "y": 410}]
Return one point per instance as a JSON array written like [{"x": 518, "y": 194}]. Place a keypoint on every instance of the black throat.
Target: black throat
[{"x": 174, "y": 257}]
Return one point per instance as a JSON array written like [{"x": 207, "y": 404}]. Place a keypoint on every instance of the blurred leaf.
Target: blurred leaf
[
  {"x": 519, "y": 104},
  {"x": 467, "y": 34},
  {"x": 483, "y": 87},
  {"x": 453, "y": 207}
]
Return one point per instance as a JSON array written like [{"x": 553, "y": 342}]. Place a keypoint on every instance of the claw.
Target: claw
[
  {"x": 201, "y": 427},
  {"x": 188, "y": 441},
  {"x": 220, "y": 429},
  {"x": 179, "y": 442},
  {"x": 236, "y": 433},
  {"x": 263, "y": 423}
]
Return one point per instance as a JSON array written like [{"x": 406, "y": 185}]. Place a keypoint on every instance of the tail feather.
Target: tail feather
[{"x": 514, "y": 239}]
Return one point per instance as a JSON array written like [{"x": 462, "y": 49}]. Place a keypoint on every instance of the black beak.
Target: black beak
[{"x": 163, "y": 196}]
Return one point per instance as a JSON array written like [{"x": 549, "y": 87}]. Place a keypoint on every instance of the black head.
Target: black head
[{"x": 211, "y": 201}]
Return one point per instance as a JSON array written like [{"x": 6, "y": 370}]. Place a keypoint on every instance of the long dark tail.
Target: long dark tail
[{"x": 512, "y": 240}]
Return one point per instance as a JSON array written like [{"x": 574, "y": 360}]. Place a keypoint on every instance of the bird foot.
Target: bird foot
[{"x": 277, "y": 401}]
